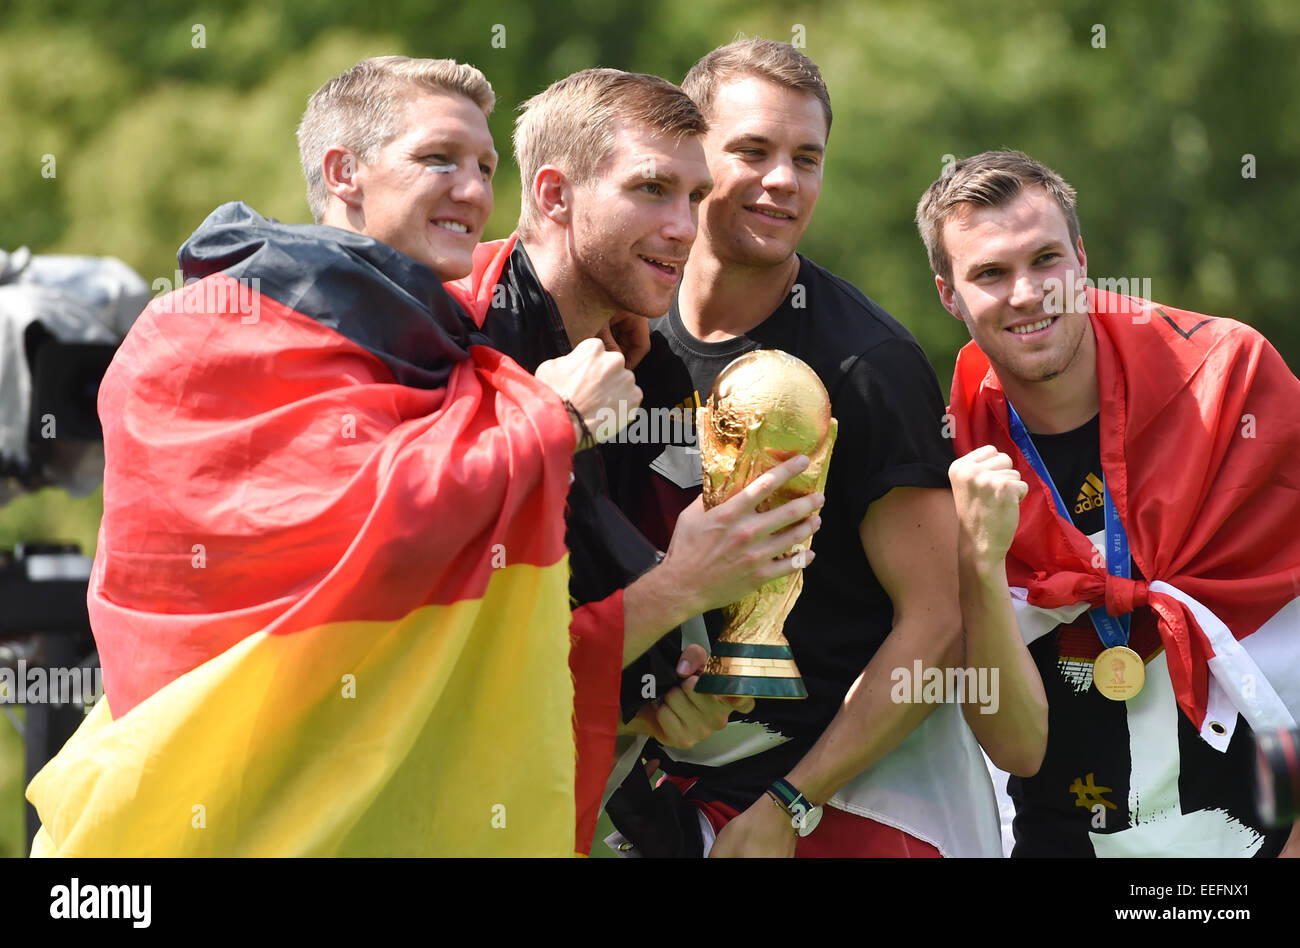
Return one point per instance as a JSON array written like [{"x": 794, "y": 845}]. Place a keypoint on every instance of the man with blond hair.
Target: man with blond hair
[
  {"x": 613, "y": 174},
  {"x": 885, "y": 776},
  {"x": 1128, "y": 556},
  {"x": 331, "y": 589}
]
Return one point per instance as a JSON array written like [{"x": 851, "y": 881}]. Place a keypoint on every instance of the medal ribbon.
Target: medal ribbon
[{"x": 1112, "y": 630}]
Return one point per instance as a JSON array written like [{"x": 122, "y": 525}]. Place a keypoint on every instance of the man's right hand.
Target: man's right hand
[
  {"x": 717, "y": 557},
  {"x": 987, "y": 490},
  {"x": 594, "y": 381}
]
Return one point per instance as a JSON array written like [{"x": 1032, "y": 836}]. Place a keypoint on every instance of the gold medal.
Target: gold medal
[{"x": 1119, "y": 673}]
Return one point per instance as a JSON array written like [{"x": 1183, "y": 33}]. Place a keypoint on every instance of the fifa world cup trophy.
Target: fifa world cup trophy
[{"x": 765, "y": 408}]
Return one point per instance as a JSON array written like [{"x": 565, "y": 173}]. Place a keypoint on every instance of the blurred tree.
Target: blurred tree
[{"x": 1162, "y": 115}]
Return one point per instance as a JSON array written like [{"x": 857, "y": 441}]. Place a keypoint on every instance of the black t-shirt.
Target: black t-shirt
[
  {"x": 1088, "y": 782},
  {"x": 1074, "y": 460},
  {"x": 886, "y": 399}
]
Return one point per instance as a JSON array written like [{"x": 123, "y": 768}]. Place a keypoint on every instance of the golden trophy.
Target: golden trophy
[{"x": 765, "y": 408}]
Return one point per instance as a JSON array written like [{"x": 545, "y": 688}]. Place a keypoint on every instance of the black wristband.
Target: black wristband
[{"x": 587, "y": 440}]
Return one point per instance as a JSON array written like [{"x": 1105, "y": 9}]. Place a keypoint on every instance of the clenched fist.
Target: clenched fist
[
  {"x": 597, "y": 383},
  {"x": 987, "y": 490}
]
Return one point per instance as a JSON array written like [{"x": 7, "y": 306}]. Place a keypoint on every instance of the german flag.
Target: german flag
[{"x": 331, "y": 589}]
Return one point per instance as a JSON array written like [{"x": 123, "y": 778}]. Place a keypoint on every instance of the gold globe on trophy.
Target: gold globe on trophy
[{"x": 765, "y": 408}]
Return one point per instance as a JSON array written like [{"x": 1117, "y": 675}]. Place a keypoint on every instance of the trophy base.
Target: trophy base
[{"x": 756, "y": 671}]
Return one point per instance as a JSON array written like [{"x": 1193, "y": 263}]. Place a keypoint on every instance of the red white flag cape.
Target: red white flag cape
[{"x": 1200, "y": 449}]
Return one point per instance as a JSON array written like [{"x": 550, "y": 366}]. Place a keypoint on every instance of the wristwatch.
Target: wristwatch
[{"x": 804, "y": 817}]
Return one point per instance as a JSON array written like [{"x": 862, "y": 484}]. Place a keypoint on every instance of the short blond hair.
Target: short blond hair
[
  {"x": 364, "y": 109},
  {"x": 779, "y": 63},
  {"x": 990, "y": 179},
  {"x": 571, "y": 125}
]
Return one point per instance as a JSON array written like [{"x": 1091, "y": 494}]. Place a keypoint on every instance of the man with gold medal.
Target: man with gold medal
[{"x": 1126, "y": 554}]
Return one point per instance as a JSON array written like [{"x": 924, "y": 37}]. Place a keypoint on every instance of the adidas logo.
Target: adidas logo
[{"x": 1090, "y": 495}]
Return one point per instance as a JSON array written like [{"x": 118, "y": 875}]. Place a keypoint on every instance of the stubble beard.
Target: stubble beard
[
  {"x": 608, "y": 286},
  {"x": 1067, "y": 361}
]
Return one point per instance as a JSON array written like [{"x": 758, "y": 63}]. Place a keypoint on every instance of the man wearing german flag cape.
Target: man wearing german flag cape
[
  {"x": 331, "y": 589},
  {"x": 1131, "y": 678}
]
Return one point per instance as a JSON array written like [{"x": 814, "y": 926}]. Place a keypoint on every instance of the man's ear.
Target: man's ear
[
  {"x": 340, "y": 166},
  {"x": 1083, "y": 259},
  {"x": 947, "y": 297},
  {"x": 553, "y": 194}
]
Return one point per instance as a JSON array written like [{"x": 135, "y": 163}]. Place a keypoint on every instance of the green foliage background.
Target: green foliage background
[{"x": 149, "y": 131}]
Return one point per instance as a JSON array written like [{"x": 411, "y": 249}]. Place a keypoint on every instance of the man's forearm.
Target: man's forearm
[
  {"x": 870, "y": 724},
  {"x": 652, "y": 607},
  {"x": 1015, "y": 735}
]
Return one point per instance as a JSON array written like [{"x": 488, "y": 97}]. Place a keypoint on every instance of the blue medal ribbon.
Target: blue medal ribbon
[{"x": 1112, "y": 630}]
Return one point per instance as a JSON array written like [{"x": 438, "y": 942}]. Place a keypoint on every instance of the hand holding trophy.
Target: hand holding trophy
[{"x": 765, "y": 407}]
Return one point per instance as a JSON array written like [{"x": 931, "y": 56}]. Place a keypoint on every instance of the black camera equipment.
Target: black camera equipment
[{"x": 44, "y": 627}]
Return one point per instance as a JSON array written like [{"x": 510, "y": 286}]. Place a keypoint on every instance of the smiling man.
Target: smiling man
[
  {"x": 613, "y": 174},
  {"x": 881, "y": 594},
  {"x": 419, "y": 179},
  {"x": 1128, "y": 554}
]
